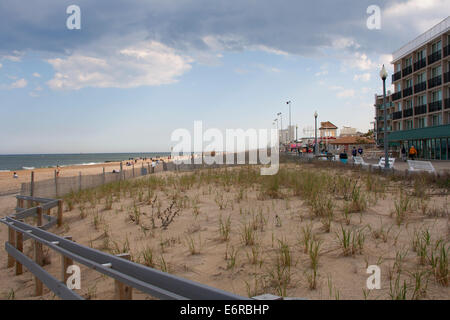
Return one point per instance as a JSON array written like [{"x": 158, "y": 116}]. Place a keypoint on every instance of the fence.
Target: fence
[
  {"x": 60, "y": 186},
  {"x": 127, "y": 274}
]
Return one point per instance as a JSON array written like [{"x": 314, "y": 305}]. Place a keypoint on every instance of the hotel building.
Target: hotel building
[{"x": 418, "y": 112}]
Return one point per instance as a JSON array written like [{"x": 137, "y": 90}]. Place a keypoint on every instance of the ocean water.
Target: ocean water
[{"x": 33, "y": 161}]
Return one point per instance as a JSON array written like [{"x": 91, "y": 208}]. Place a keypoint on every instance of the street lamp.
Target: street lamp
[
  {"x": 383, "y": 75},
  {"x": 316, "y": 149},
  {"x": 281, "y": 129},
  {"x": 289, "y": 128}
]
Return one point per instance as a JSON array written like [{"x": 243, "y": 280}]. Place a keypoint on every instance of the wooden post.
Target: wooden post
[
  {"x": 39, "y": 259},
  {"x": 32, "y": 184},
  {"x": 39, "y": 216},
  {"x": 12, "y": 241},
  {"x": 121, "y": 170},
  {"x": 65, "y": 263},
  {"x": 79, "y": 181},
  {"x": 56, "y": 184},
  {"x": 149, "y": 170},
  {"x": 133, "y": 169},
  {"x": 19, "y": 247},
  {"x": 104, "y": 176},
  {"x": 59, "y": 218},
  {"x": 122, "y": 291}
]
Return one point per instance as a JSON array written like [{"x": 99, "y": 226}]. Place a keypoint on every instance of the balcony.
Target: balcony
[
  {"x": 420, "y": 109},
  {"x": 434, "y": 82},
  {"x": 435, "y": 106},
  {"x": 407, "y": 92},
  {"x": 396, "y": 76},
  {"x": 420, "y": 87},
  {"x": 447, "y": 50},
  {"x": 446, "y": 77},
  {"x": 420, "y": 64},
  {"x": 434, "y": 57},
  {"x": 396, "y": 96},
  {"x": 406, "y": 71},
  {"x": 397, "y": 115},
  {"x": 409, "y": 112},
  {"x": 447, "y": 103}
]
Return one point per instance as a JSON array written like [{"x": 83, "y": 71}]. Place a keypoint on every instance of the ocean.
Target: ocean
[{"x": 34, "y": 161}]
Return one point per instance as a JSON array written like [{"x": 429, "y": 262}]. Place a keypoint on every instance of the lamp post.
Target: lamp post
[
  {"x": 296, "y": 133},
  {"x": 289, "y": 128},
  {"x": 281, "y": 129},
  {"x": 316, "y": 149},
  {"x": 383, "y": 75}
]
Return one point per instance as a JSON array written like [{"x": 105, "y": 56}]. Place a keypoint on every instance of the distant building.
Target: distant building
[
  {"x": 348, "y": 131},
  {"x": 327, "y": 130},
  {"x": 347, "y": 143}
]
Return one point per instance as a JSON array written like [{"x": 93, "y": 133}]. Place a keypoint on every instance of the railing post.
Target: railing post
[
  {"x": 65, "y": 263},
  {"x": 38, "y": 255},
  {"x": 121, "y": 170},
  {"x": 12, "y": 241},
  {"x": 56, "y": 184},
  {"x": 59, "y": 218},
  {"x": 122, "y": 291},
  {"x": 133, "y": 169},
  {"x": 79, "y": 181},
  {"x": 104, "y": 176},
  {"x": 19, "y": 247}
]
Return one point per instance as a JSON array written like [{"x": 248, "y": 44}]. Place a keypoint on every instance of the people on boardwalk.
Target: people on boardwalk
[
  {"x": 403, "y": 153},
  {"x": 412, "y": 152},
  {"x": 354, "y": 152},
  {"x": 360, "y": 151}
]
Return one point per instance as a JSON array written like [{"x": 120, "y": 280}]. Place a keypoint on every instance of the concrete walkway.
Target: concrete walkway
[{"x": 439, "y": 166}]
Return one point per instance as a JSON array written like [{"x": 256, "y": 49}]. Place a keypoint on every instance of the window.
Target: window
[
  {"x": 435, "y": 72},
  {"x": 421, "y": 100},
  {"x": 422, "y": 123},
  {"x": 408, "y": 62},
  {"x": 436, "y": 120},
  {"x": 399, "y": 106},
  {"x": 409, "y": 124},
  {"x": 398, "y": 67},
  {"x": 435, "y": 47},
  {"x": 408, "y": 83},
  {"x": 421, "y": 54},
  {"x": 409, "y": 104},
  {"x": 399, "y": 87},
  {"x": 436, "y": 96},
  {"x": 421, "y": 77}
]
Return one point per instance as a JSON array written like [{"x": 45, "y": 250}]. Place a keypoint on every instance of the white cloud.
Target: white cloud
[
  {"x": 16, "y": 56},
  {"x": 344, "y": 42},
  {"x": 323, "y": 71},
  {"x": 348, "y": 93},
  {"x": 145, "y": 64},
  {"x": 37, "y": 75},
  {"x": 364, "y": 77},
  {"x": 21, "y": 83},
  {"x": 1, "y": 65}
]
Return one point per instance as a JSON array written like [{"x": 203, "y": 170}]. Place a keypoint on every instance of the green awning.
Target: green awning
[{"x": 423, "y": 133}]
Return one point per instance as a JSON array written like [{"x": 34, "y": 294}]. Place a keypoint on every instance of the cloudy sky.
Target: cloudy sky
[{"x": 139, "y": 69}]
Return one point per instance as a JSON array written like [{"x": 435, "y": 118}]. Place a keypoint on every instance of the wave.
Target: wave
[
  {"x": 28, "y": 168},
  {"x": 1, "y": 170}
]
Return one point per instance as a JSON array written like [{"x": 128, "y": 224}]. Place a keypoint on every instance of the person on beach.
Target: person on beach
[
  {"x": 412, "y": 152},
  {"x": 57, "y": 170},
  {"x": 15, "y": 176}
]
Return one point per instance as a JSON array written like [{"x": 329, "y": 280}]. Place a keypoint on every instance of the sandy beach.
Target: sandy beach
[{"x": 233, "y": 230}]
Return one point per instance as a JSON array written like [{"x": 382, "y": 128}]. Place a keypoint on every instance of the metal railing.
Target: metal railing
[{"x": 127, "y": 274}]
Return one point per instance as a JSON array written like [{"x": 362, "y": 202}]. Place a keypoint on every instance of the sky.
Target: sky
[{"x": 138, "y": 70}]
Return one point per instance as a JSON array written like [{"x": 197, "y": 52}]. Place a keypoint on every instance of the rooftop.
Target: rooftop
[{"x": 425, "y": 37}]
